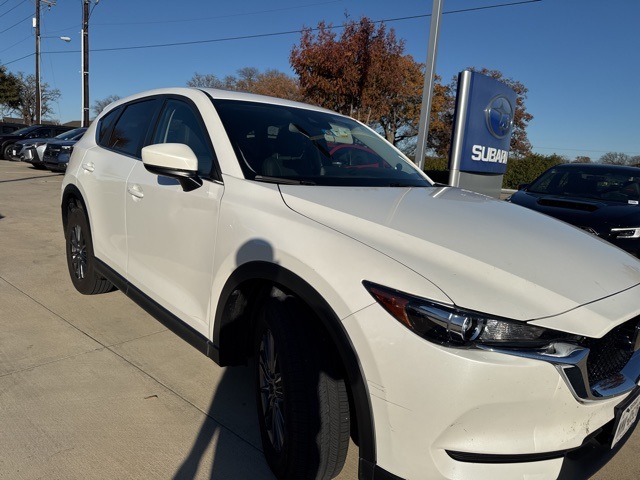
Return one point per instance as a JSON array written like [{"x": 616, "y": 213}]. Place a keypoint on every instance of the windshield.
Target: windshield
[
  {"x": 71, "y": 134},
  {"x": 284, "y": 144},
  {"x": 610, "y": 184},
  {"x": 24, "y": 131}
]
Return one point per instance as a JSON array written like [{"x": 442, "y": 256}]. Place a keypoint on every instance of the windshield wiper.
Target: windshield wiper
[{"x": 284, "y": 181}]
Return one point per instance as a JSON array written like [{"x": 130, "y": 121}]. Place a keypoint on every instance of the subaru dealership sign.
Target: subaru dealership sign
[{"x": 482, "y": 130}]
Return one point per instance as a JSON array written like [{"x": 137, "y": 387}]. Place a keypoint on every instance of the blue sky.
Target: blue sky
[{"x": 580, "y": 59}]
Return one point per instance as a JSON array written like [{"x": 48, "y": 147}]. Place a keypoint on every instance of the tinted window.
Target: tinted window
[
  {"x": 41, "y": 133},
  {"x": 312, "y": 147},
  {"x": 179, "y": 123},
  {"x": 131, "y": 128},
  {"x": 603, "y": 183},
  {"x": 71, "y": 134},
  {"x": 105, "y": 125},
  {"x": 23, "y": 132}
]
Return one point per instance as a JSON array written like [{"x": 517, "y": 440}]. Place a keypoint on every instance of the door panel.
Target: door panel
[
  {"x": 172, "y": 233},
  {"x": 171, "y": 239},
  {"x": 105, "y": 170},
  {"x": 104, "y": 177}
]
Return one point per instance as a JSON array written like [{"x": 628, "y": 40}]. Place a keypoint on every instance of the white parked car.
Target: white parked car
[{"x": 450, "y": 334}]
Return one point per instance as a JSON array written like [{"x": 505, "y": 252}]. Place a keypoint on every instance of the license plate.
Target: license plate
[{"x": 626, "y": 415}]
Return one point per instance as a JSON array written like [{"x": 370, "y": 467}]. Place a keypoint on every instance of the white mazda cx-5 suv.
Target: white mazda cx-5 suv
[{"x": 449, "y": 334}]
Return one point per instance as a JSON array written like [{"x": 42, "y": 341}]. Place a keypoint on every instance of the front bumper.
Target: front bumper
[
  {"x": 437, "y": 410},
  {"x": 631, "y": 245},
  {"x": 57, "y": 163},
  {"x": 30, "y": 155}
]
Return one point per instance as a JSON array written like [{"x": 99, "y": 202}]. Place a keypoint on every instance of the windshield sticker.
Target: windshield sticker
[{"x": 338, "y": 134}]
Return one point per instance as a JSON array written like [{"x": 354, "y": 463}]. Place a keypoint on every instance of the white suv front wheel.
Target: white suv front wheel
[{"x": 303, "y": 407}]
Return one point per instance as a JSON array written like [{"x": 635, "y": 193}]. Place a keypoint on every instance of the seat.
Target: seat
[{"x": 294, "y": 156}]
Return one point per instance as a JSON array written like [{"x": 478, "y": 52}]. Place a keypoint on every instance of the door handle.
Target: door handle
[
  {"x": 136, "y": 191},
  {"x": 89, "y": 167}
]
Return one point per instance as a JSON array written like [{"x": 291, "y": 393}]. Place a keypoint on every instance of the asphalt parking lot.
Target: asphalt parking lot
[{"x": 93, "y": 387}]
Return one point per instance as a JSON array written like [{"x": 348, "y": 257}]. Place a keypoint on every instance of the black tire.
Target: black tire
[
  {"x": 80, "y": 259},
  {"x": 5, "y": 152},
  {"x": 303, "y": 406}
]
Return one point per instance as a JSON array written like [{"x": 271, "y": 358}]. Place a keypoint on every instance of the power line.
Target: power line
[
  {"x": 277, "y": 34},
  {"x": 16, "y": 24},
  {"x": 18, "y": 59},
  {"x": 290, "y": 32},
  {"x": 12, "y": 8},
  {"x": 259, "y": 12},
  {"x": 13, "y": 45}
]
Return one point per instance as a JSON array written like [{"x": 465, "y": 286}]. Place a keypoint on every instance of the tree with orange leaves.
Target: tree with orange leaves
[{"x": 363, "y": 73}]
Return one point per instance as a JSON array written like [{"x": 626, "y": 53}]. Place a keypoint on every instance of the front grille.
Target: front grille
[
  {"x": 51, "y": 151},
  {"x": 608, "y": 355}
]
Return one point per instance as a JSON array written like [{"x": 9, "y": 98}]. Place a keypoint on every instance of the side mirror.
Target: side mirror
[
  {"x": 173, "y": 160},
  {"x": 523, "y": 186}
]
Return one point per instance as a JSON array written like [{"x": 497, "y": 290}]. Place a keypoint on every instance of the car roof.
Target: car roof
[
  {"x": 598, "y": 167},
  {"x": 220, "y": 94}
]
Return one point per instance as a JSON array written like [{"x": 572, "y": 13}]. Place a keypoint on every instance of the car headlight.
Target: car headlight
[
  {"x": 629, "y": 232},
  {"x": 456, "y": 327}
]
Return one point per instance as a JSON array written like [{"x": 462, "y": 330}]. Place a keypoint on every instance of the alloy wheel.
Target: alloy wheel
[
  {"x": 78, "y": 246},
  {"x": 271, "y": 390}
]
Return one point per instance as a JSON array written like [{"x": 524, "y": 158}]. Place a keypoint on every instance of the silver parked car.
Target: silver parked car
[{"x": 32, "y": 150}]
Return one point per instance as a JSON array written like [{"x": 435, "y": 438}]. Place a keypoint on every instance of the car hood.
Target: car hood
[
  {"x": 583, "y": 212},
  {"x": 63, "y": 143},
  {"x": 484, "y": 254}
]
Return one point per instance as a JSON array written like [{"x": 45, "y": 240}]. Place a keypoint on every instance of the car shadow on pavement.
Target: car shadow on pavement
[
  {"x": 31, "y": 178},
  {"x": 231, "y": 430}
]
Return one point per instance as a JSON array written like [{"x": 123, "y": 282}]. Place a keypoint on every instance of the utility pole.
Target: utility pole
[
  {"x": 85, "y": 63},
  {"x": 36, "y": 25},
  {"x": 36, "y": 22}
]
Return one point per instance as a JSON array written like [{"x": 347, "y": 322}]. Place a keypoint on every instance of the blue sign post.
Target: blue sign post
[{"x": 482, "y": 133}]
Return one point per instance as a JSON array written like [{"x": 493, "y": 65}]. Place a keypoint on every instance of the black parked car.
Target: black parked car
[
  {"x": 601, "y": 199},
  {"x": 57, "y": 152},
  {"x": 33, "y": 131},
  {"x": 8, "y": 127}
]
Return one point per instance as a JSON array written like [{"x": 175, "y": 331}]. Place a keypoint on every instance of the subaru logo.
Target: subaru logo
[{"x": 499, "y": 116}]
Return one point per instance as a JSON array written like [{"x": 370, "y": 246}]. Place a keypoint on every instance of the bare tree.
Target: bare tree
[
  {"x": 616, "y": 158},
  {"x": 271, "y": 82},
  {"x": 582, "y": 159},
  {"x": 25, "y": 104},
  {"x": 99, "y": 105}
]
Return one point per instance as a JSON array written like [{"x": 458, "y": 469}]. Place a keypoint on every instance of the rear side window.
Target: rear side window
[
  {"x": 42, "y": 133},
  {"x": 130, "y": 130},
  {"x": 105, "y": 125}
]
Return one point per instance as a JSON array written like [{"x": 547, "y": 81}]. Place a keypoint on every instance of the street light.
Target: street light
[
  {"x": 38, "y": 87},
  {"x": 36, "y": 25}
]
